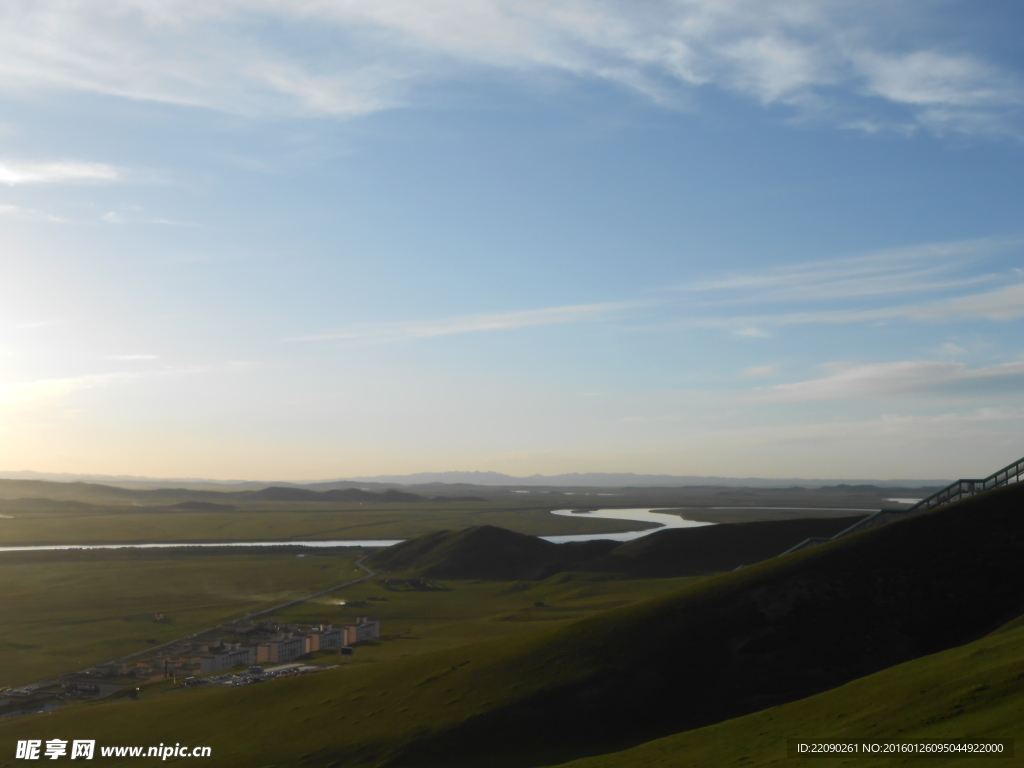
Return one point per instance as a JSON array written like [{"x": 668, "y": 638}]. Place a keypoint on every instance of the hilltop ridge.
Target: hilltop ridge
[{"x": 488, "y": 552}]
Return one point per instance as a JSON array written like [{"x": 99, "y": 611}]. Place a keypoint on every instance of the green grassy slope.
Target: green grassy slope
[
  {"x": 769, "y": 634},
  {"x": 63, "y": 611},
  {"x": 973, "y": 692},
  {"x": 715, "y": 548},
  {"x": 733, "y": 644},
  {"x": 416, "y": 621},
  {"x": 486, "y": 552}
]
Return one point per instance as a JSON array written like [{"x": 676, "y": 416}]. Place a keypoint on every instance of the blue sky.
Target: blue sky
[{"x": 327, "y": 238}]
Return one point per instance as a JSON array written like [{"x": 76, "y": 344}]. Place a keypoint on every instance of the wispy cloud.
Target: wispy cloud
[
  {"x": 914, "y": 377},
  {"x": 760, "y": 372},
  {"x": 890, "y": 446},
  {"x": 15, "y": 396},
  {"x": 427, "y": 329},
  {"x": 64, "y": 172},
  {"x": 28, "y": 214},
  {"x": 345, "y": 58},
  {"x": 876, "y": 287},
  {"x": 752, "y": 332},
  {"x": 33, "y": 324},
  {"x": 117, "y": 217},
  {"x": 914, "y": 269},
  {"x": 130, "y": 358},
  {"x": 1001, "y": 304}
]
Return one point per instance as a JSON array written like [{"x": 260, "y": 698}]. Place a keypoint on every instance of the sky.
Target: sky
[{"x": 311, "y": 239}]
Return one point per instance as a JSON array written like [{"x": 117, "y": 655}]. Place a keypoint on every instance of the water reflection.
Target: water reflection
[
  {"x": 176, "y": 544},
  {"x": 665, "y": 520}
]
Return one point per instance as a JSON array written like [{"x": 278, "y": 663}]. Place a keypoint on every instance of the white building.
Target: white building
[
  {"x": 324, "y": 637},
  {"x": 281, "y": 649},
  {"x": 227, "y": 656},
  {"x": 364, "y": 629}
]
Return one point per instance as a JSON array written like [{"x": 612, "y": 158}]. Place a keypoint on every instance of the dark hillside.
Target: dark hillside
[
  {"x": 776, "y": 632},
  {"x": 487, "y": 552},
  {"x": 714, "y": 548},
  {"x": 484, "y": 552},
  {"x": 971, "y": 689}
]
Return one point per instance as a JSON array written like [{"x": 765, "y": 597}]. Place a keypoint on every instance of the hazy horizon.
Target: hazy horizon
[
  {"x": 692, "y": 237},
  {"x": 487, "y": 479}
]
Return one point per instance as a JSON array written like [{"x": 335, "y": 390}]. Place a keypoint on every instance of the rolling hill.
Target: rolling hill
[
  {"x": 487, "y": 552},
  {"x": 281, "y": 493},
  {"x": 106, "y": 494}
]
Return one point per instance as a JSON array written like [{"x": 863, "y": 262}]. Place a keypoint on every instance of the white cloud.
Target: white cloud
[
  {"x": 915, "y": 377},
  {"x": 1001, "y": 304},
  {"x": 752, "y": 332},
  {"x": 951, "y": 350},
  {"x": 133, "y": 357},
  {"x": 64, "y": 172},
  {"x": 929, "y": 78},
  {"x": 426, "y": 329},
  {"x": 760, "y": 372},
  {"x": 352, "y": 57}
]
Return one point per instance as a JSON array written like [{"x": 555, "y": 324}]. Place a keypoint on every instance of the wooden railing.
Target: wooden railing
[{"x": 961, "y": 489}]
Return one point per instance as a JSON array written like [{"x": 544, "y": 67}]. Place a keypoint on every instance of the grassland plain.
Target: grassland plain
[
  {"x": 63, "y": 611},
  {"x": 717, "y": 499},
  {"x": 55, "y": 523},
  {"x": 737, "y": 643}
]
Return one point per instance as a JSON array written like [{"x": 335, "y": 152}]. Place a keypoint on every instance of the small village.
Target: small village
[
  {"x": 240, "y": 644},
  {"x": 203, "y": 659}
]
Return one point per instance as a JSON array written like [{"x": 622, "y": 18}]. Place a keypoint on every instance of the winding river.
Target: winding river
[{"x": 639, "y": 515}]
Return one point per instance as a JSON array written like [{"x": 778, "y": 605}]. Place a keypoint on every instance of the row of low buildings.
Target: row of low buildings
[
  {"x": 246, "y": 644},
  {"x": 288, "y": 643}
]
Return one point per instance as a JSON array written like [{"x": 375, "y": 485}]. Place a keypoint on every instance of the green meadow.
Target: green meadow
[
  {"x": 68, "y": 610},
  {"x": 57, "y": 523},
  {"x": 889, "y": 634},
  {"x": 459, "y": 613},
  {"x": 65, "y": 611}
]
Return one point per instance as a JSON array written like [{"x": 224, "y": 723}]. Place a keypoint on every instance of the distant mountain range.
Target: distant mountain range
[
  {"x": 626, "y": 479},
  {"x": 490, "y": 479}
]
